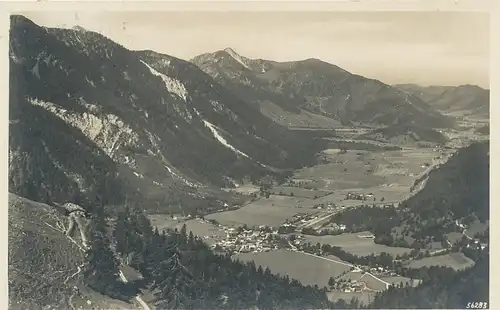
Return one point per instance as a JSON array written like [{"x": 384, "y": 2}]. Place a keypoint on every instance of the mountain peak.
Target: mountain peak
[
  {"x": 230, "y": 51},
  {"x": 79, "y": 28},
  {"x": 237, "y": 57}
]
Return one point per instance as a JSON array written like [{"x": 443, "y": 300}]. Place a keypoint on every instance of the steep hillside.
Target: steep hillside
[
  {"x": 468, "y": 100},
  {"x": 158, "y": 125},
  {"x": 49, "y": 160},
  {"x": 406, "y": 135},
  {"x": 459, "y": 188},
  {"x": 319, "y": 87},
  {"x": 44, "y": 263}
]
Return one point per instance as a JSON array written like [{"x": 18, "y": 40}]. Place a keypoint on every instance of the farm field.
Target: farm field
[
  {"x": 373, "y": 283},
  {"x": 385, "y": 173},
  {"x": 363, "y": 297},
  {"x": 392, "y": 194},
  {"x": 298, "y": 192},
  {"x": 307, "y": 269},
  {"x": 205, "y": 230},
  {"x": 162, "y": 221},
  {"x": 454, "y": 237},
  {"x": 353, "y": 244},
  {"x": 245, "y": 189},
  {"x": 339, "y": 176},
  {"x": 270, "y": 212},
  {"x": 456, "y": 261}
]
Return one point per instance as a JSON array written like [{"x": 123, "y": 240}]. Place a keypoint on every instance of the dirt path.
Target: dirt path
[{"x": 137, "y": 297}]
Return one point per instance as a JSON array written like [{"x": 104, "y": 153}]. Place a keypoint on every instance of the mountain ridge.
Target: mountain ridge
[{"x": 319, "y": 87}]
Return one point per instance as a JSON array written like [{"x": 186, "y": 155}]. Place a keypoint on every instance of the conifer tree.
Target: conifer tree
[{"x": 101, "y": 271}]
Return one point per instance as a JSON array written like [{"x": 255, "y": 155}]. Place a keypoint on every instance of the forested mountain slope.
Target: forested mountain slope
[{"x": 150, "y": 122}]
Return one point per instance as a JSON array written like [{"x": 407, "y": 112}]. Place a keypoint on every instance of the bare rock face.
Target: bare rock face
[{"x": 108, "y": 131}]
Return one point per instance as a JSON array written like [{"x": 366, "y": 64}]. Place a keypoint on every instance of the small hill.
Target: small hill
[{"x": 406, "y": 135}]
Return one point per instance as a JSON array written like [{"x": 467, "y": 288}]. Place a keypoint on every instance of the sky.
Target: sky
[{"x": 426, "y": 48}]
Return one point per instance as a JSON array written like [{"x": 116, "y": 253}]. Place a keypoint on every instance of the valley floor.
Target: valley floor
[
  {"x": 344, "y": 179},
  {"x": 309, "y": 199}
]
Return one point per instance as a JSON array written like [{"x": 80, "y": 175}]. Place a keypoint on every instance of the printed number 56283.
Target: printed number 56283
[{"x": 477, "y": 305}]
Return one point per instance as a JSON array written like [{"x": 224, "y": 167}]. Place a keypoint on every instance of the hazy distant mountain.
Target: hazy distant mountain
[
  {"x": 406, "y": 135},
  {"x": 320, "y": 87},
  {"x": 468, "y": 100},
  {"x": 86, "y": 111}
]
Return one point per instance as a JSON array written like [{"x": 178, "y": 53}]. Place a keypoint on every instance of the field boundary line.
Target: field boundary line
[{"x": 330, "y": 260}]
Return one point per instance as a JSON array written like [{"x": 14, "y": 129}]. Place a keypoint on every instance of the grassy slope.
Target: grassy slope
[{"x": 40, "y": 258}]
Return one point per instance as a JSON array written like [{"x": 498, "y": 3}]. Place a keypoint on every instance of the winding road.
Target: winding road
[{"x": 137, "y": 297}]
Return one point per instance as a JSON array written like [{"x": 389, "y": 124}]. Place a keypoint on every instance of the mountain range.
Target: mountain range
[
  {"x": 319, "y": 87},
  {"x": 463, "y": 100}
]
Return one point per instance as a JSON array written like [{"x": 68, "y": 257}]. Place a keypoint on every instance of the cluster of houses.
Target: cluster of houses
[
  {"x": 350, "y": 287},
  {"x": 301, "y": 218},
  {"x": 474, "y": 243},
  {"x": 239, "y": 240},
  {"x": 332, "y": 228},
  {"x": 327, "y": 206},
  {"x": 356, "y": 196},
  {"x": 380, "y": 271}
]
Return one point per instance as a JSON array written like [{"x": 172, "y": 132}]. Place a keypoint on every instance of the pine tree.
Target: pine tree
[
  {"x": 331, "y": 281},
  {"x": 102, "y": 270},
  {"x": 122, "y": 234}
]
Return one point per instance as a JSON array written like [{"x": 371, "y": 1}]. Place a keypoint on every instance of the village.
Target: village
[{"x": 240, "y": 240}]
